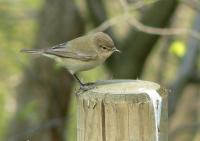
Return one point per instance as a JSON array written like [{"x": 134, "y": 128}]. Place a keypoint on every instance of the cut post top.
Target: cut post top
[{"x": 118, "y": 86}]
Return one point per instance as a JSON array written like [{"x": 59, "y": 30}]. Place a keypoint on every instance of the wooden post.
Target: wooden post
[{"x": 122, "y": 110}]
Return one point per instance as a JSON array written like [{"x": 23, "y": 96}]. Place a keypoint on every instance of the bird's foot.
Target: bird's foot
[{"x": 87, "y": 86}]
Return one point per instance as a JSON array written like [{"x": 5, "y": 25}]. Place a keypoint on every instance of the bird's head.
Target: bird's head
[{"x": 104, "y": 44}]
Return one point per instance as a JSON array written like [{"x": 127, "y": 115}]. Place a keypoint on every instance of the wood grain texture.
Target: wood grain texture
[{"x": 117, "y": 111}]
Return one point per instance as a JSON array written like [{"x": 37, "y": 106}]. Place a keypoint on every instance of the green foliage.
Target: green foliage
[
  {"x": 17, "y": 28},
  {"x": 2, "y": 113},
  {"x": 29, "y": 111}
]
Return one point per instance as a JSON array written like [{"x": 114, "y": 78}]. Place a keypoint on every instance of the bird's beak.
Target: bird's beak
[{"x": 116, "y": 50}]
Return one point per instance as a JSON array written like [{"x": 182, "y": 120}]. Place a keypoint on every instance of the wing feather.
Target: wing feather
[{"x": 64, "y": 50}]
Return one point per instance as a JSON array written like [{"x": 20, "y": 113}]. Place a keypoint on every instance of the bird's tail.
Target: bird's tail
[{"x": 33, "y": 51}]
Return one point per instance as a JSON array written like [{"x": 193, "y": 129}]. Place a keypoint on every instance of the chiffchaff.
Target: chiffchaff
[{"x": 80, "y": 54}]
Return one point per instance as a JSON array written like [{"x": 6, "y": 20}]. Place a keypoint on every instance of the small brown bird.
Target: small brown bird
[{"x": 80, "y": 54}]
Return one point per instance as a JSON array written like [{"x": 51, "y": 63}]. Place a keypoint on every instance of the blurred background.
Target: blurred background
[{"x": 159, "y": 41}]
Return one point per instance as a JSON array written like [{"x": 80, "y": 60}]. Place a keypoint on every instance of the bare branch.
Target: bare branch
[
  {"x": 162, "y": 31},
  {"x": 108, "y": 23},
  {"x": 126, "y": 17},
  {"x": 135, "y": 52},
  {"x": 122, "y": 17},
  {"x": 135, "y": 6},
  {"x": 124, "y": 5},
  {"x": 141, "y": 4},
  {"x": 98, "y": 14}
]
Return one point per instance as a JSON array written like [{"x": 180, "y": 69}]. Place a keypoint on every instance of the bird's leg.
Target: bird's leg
[
  {"x": 78, "y": 80},
  {"x": 83, "y": 86}
]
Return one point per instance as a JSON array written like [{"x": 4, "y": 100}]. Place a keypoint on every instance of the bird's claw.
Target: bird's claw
[{"x": 87, "y": 86}]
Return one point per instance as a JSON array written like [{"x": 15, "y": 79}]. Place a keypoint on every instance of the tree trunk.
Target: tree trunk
[{"x": 138, "y": 45}]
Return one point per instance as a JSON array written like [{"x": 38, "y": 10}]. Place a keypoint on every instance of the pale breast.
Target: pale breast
[{"x": 76, "y": 65}]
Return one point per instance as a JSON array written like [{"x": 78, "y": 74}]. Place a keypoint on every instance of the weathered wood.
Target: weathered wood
[{"x": 121, "y": 110}]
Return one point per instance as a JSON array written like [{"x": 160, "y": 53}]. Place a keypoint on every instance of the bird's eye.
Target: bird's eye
[{"x": 103, "y": 47}]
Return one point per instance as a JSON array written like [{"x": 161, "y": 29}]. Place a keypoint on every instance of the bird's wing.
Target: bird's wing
[{"x": 65, "y": 50}]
